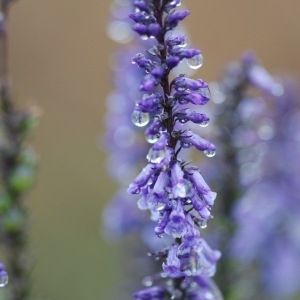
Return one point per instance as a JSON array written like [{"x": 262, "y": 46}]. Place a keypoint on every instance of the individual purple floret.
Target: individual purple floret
[{"x": 174, "y": 192}]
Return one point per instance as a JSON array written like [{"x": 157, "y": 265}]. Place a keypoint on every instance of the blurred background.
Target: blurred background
[{"x": 59, "y": 60}]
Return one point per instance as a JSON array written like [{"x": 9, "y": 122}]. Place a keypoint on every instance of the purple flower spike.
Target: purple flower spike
[{"x": 178, "y": 202}]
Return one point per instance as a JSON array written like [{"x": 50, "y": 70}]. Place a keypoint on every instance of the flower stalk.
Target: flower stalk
[{"x": 175, "y": 192}]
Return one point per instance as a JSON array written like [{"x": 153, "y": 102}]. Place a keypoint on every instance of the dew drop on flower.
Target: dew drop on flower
[
  {"x": 3, "y": 278},
  {"x": 182, "y": 190},
  {"x": 184, "y": 42},
  {"x": 152, "y": 138},
  {"x": 213, "y": 196},
  {"x": 204, "y": 123},
  {"x": 195, "y": 62},
  {"x": 205, "y": 92},
  {"x": 140, "y": 119},
  {"x": 147, "y": 281},
  {"x": 156, "y": 156},
  {"x": 183, "y": 120},
  {"x": 186, "y": 145},
  {"x": 144, "y": 37},
  {"x": 210, "y": 153},
  {"x": 160, "y": 206},
  {"x": 203, "y": 224}
]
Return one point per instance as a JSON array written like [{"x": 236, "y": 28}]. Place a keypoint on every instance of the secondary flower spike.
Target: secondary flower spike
[{"x": 173, "y": 191}]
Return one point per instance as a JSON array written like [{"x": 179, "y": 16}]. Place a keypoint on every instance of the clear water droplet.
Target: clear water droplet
[
  {"x": 195, "y": 62},
  {"x": 180, "y": 88},
  {"x": 153, "y": 51},
  {"x": 188, "y": 202},
  {"x": 156, "y": 156},
  {"x": 213, "y": 196},
  {"x": 140, "y": 119},
  {"x": 205, "y": 92},
  {"x": 182, "y": 121},
  {"x": 185, "y": 145},
  {"x": 184, "y": 42},
  {"x": 182, "y": 190},
  {"x": 144, "y": 37},
  {"x": 204, "y": 123},
  {"x": 210, "y": 153},
  {"x": 203, "y": 223},
  {"x": 147, "y": 281},
  {"x": 160, "y": 206},
  {"x": 150, "y": 181},
  {"x": 152, "y": 138},
  {"x": 3, "y": 279}
]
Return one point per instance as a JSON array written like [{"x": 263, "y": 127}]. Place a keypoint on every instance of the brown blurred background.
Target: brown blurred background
[{"x": 59, "y": 60}]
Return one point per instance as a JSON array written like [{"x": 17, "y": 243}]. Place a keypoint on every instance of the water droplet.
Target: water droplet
[
  {"x": 195, "y": 62},
  {"x": 152, "y": 138},
  {"x": 184, "y": 42},
  {"x": 144, "y": 37},
  {"x": 160, "y": 206},
  {"x": 154, "y": 50},
  {"x": 204, "y": 123},
  {"x": 140, "y": 119},
  {"x": 182, "y": 121},
  {"x": 182, "y": 190},
  {"x": 3, "y": 278},
  {"x": 185, "y": 145},
  {"x": 188, "y": 202},
  {"x": 180, "y": 88},
  {"x": 147, "y": 281},
  {"x": 213, "y": 196},
  {"x": 156, "y": 156},
  {"x": 205, "y": 92},
  {"x": 203, "y": 223},
  {"x": 210, "y": 153}
]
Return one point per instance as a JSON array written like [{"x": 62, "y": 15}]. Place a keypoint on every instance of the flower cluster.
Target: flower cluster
[
  {"x": 255, "y": 115},
  {"x": 176, "y": 194}
]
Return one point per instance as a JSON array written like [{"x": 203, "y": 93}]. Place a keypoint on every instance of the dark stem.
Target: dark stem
[{"x": 168, "y": 108}]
